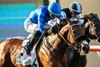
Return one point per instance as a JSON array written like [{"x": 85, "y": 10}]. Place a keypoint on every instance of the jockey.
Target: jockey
[
  {"x": 36, "y": 23},
  {"x": 73, "y": 12}
]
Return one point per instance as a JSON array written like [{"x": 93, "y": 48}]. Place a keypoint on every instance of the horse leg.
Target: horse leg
[
  {"x": 1, "y": 61},
  {"x": 78, "y": 61},
  {"x": 64, "y": 61},
  {"x": 6, "y": 61}
]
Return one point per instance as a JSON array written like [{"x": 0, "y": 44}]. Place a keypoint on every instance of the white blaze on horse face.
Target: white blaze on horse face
[{"x": 84, "y": 42}]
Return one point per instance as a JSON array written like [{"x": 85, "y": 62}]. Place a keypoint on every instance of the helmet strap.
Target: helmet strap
[{"x": 51, "y": 15}]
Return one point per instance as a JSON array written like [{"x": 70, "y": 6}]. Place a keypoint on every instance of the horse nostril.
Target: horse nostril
[{"x": 86, "y": 48}]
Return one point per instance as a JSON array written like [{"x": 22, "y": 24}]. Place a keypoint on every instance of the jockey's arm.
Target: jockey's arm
[
  {"x": 41, "y": 22},
  {"x": 80, "y": 20},
  {"x": 28, "y": 25}
]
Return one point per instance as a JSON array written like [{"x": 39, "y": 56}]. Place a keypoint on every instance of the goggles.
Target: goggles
[
  {"x": 52, "y": 16},
  {"x": 76, "y": 13}
]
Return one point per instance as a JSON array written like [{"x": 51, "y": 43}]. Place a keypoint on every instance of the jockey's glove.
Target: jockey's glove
[
  {"x": 54, "y": 29},
  {"x": 85, "y": 18}
]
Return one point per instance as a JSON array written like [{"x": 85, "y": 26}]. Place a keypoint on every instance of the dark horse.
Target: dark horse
[
  {"x": 92, "y": 27},
  {"x": 92, "y": 31},
  {"x": 51, "y": 53}
]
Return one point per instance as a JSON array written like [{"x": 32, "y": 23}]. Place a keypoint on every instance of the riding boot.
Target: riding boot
[{"x": 28, "y": 47}]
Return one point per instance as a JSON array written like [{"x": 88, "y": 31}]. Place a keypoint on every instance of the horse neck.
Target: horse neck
[{"x": 61, "y": 41}]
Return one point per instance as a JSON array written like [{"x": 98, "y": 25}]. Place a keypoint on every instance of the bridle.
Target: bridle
[
  {"x": 93, "y": 30},
  {"x": 76, "y": 46},
  {"x": 77, "y": 40}
]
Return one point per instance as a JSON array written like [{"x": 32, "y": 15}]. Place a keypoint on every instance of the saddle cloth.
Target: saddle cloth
[{"x": 27, "y": 59}]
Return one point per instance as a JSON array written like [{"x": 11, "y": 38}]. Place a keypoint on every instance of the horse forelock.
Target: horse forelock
[
  {"x": 93, "y": 18},
  {"x": 78, "y": 31}
]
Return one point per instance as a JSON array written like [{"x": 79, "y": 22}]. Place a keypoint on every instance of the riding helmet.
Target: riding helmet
[
  {"x": 76, "y": 7},
  {"x": 55, "y": 9}
]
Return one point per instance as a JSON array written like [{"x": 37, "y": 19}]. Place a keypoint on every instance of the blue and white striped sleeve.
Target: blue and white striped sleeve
[{"x": 41, "y": 21}]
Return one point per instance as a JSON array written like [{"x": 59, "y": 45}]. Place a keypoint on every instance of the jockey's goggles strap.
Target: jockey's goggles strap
[
  {"x": 76, "y": 13},
  {"x": 52, "y": 16}
]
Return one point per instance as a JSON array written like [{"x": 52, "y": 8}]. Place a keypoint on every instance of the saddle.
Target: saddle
[{"x": 30, "y": 59}]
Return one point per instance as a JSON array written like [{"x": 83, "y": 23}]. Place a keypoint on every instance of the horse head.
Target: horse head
[
  {"x": 92, "y": 26},
  {"x": 81, "y": 41}
]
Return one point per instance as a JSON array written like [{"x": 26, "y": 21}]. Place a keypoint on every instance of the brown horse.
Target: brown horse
[
  {"x": 51, "y": 53},
  {"x": 92, "y": 31}
]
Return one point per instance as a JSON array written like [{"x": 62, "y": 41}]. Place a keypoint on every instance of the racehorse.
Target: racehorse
[
  {"x": 92, "y": 31},
  {"x": 52, "y": 50}
]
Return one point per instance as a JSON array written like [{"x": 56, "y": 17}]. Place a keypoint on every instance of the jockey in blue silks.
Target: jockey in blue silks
[{"x": 36, "y": 23}]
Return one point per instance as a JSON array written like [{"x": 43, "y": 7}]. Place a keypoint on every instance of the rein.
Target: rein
[
  {"x": 72, "y": 35},
  {"x": 64, "y": 39}
]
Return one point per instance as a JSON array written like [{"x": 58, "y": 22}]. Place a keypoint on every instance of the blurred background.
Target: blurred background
[{"x": 14, "y": 12}]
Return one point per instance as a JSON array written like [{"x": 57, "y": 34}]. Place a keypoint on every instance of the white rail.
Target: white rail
[{"x": 95, "y": 48}]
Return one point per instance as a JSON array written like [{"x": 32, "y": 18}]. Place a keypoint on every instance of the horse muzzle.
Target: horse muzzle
[{"x": 84, "y": 47}]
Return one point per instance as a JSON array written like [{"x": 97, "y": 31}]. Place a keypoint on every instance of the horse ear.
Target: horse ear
[
  {"x": 96, "y": 16},
  {"x": 93, "y": 14}
]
